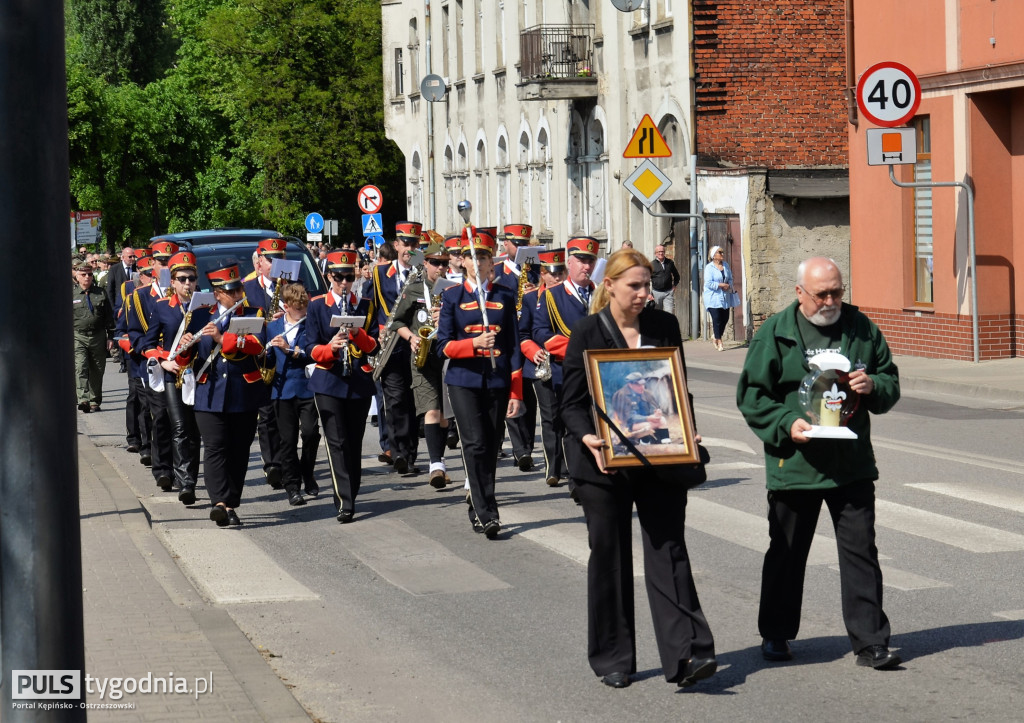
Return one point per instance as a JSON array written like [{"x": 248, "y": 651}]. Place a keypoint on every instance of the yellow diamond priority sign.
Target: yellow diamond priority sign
[{"x": 647, "y": 183}]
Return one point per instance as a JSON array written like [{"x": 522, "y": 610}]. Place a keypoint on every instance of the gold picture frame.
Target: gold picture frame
[{"x": 643, "y": 391}]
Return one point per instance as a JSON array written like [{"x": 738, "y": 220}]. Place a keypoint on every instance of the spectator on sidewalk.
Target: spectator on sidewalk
[{"x": 664, "y": 280}]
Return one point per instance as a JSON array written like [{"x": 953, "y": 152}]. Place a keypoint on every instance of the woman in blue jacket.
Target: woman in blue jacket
[{"x": 717, "y": 290}]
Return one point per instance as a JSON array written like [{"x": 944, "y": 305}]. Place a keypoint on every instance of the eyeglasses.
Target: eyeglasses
[
  {"x": 437, "y": 262},
  {"x": 344, "y": 277},
  {"x": 823, "y": 296},
  {"x": 183, "y": 279}
]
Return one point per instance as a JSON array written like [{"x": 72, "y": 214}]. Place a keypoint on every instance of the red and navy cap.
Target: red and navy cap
[
  {"x": 341, "y": 260},
  {"x": 182, "y": 260},
  {"x": 274, "y": 247},
  {"x": 479, "y": 239},
  {"x": 408, "y": 230},
  {"x": 553, "y": 260},
  {"x": 518, "y": 233},
  {"x": 582, "y": 246},
  {"x": 163, "y": 250},
  {"x": 226, "y": 278}
]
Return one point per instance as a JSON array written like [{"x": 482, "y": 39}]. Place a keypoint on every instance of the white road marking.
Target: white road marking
[
  {"x": 1010, "y": 614},
  {"x": 227, "y": 567},
  {"x": 724, "y": 466},
  {"x": 903, "y": 580},
  {"x": 727, "y": 444},
  {"x": 947, "y": 530},
  {"x": 994, "y": 498},
  {"x": 412, "y": 561}
]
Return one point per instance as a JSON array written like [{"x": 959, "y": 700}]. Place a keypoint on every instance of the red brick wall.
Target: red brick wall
[
  {"x": 949, "y": 336},
  {"x": 770, "y": 79}
]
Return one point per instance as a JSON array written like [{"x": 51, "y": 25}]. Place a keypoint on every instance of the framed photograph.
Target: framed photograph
[{"x": 643, "y": 392}]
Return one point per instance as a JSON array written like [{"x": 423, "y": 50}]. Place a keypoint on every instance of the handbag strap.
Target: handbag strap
[
  {"x": 617, "y": 339},
  {"x": 625, "y": 440}
]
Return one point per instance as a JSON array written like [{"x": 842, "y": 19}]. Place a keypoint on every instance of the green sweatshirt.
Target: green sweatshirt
[{"x": 767, "y": 397}]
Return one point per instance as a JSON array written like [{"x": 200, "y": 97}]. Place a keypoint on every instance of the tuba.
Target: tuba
[{"x": 389, "y": 338}]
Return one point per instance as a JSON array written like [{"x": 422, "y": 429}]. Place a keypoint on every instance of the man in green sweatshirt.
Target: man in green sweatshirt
[{"x": 802, "y": 473}]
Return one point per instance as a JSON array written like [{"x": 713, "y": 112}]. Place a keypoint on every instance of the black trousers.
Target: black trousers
[
  {"x": 680, "y": 628},
  {"x": 160, "y": 429},
  {"x": 792, "y": 518},
  {"x": 719, "y": 319},
  {"x": 552, "y": 430},
  {"x": 343, "y": 422},
  {"x": 269, "y": 435},
  {"x": 184, "y": 435},
  {"x": 227, "y": 438},
  {"x": 138, "y": 429},
  {"x": 382, "y": 423},
  {"x": 522, "y": 430},
  {"x": 294, "y": 417},
  {"x": 396, "y": 384},
  {"x": 479, "y": 413}
]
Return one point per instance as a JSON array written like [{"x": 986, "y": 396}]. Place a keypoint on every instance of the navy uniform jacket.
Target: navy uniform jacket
[
  {"x": 233, "y": 382},
  {"x": 385, "y": 293},
  {"x": 328, "y": 377},
  {"x": 557, "y": 314},
  {"x": 139, "y": 308},
  {"x": 163, "y": 327},
  {"x": 290, "y": 379},
  {"x": 527, "y": 345},
  {"x": 256, "y": 295},
  {"x": 506, "y": 274},
  {"x": 460, "y": 320}
]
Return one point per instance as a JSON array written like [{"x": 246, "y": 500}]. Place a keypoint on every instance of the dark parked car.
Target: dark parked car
[{"x": 217, "y": 247}]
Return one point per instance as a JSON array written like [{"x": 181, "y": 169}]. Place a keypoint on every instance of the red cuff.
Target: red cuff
[
  {"x": 156, "y": 353},
  {"x": 529, "y": 348},
  {"x": 517, "y": 385},
  {"x": 363, "y": 341},
  {"x": 322, "y": 354},
  {"x": 557, "y": 346},
  {"x": 461, "y": 349},
  {"x": 250, "y": 345},
  {"x": 125, "y": 345},
  {"x": 229, "y": 343}
]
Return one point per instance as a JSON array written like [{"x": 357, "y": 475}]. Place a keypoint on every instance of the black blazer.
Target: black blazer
[
  {"x": 115, "y": 277},
  {"x": 657, "y": 328}
]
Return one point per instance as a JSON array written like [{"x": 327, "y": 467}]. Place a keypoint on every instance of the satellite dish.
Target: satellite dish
[
  {"x": 628, "y": 6},
  {"x": 433, "y": 88}
]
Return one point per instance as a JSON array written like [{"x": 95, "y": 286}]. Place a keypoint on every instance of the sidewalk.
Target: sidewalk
[
  {"x": 1000, "y": 381},
  {"x": 143, "y": 618}
]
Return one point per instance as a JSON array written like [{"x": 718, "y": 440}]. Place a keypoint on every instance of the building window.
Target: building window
[
  {"x": 399, "y": 74},
  {"x": 923, "y": 259},
  {"x": 414, "y": 55}
]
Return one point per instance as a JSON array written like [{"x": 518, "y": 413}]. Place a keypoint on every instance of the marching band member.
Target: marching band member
[
  {"x": 484, "y": 371},
  {"x": 417, "y": 311},
  {"x": 342, "y": 382},
  {"x": 560, "y": 308},
  {"x": 396, "y": 379},
  {"x": 169, "y": 316},
  {"x": 515, "y": 235},
  {"x": 552, "y": 274},
  {"x": 294, "y": 408},
  {"x": 259, "y": 291},
  {"x": 229, "y": 394},
  {"x": 453, "y": 247},
  {"x": 138, "y": 424}
]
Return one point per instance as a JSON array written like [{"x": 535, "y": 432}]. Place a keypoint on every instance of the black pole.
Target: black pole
[{"x": 40, "y": 549}]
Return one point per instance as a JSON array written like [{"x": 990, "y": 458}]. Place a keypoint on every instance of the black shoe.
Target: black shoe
[
  {"x": 453, "y": 440},
  {"x": 438, "y": 479},
  {"x": 878, "y": 657},
  {"x": 775, "y": 650},
  {"x": 312, "y": 491},
  {"x": 346, "y": 516},
  {"x": 274, "y": 478},
  {"x": 165, "y": 482},
  {"x": 525, "y": 463},
  {"x": 84, "y": 407},
  {"x": 219, "y": 514},
  {"x": 384, "y": 458},
  {"x": 697, "y": 669},
  {"x": 233, "y": 519},
  {"x": 146, "y": 459},
  {"x": 491, "y": 529},
  {"x": 413, "y": 469},
  {"x": 617, "y": 680},
  {"x": 575, "y": 496},
  {"x": 94, "y": 407},
  {"x": 187, "y": 496},
  {"x": 132, "y": 449},
  {"x": 295, "y": 499},
  {"x": 373, "y": 420},
  {"x": 478, "y": 526},
  {"x": 401, "y": 465}
]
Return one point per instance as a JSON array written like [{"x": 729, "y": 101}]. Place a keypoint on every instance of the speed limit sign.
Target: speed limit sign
[{"x": 888, "y": 94}]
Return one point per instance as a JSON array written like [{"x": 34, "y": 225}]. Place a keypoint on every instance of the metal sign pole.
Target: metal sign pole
[
  {"x": 971, "y": 251},
  {"x": 694, "y": 262}
]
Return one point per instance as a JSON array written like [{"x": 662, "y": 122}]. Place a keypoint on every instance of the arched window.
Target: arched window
[
  {"x": 597, "y": 171},
  {"x": 462, "y": 172},
  {"x": 546, "y": 175},
  {"x": 502, "y": 169},
  {"x": 483, "y": 181},
  {"x": 416, "y": 186},
  {"x": 525, "y": 186},
  {"x": 449, "y": 187},
  {"x": 414, "y": 57}
]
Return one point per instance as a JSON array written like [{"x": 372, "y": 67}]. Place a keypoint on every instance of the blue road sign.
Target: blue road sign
[
  {"x": 372, "y": 224},
  {"x": 374, "y": 239},
  {"x": 314, "y": 223}
]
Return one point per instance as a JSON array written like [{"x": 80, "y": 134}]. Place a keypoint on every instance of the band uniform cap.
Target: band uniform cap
[
  {"x": 554, "y": 258},
  {"x": 226, "y": 278},
  {"x": 272, "y": 247},
  {"x": 409, "y": 229},
  {"x": 582, "y": 246},
  {"x": 144, "y": 265},
  {"x": 453, "y": 242},
  {"x": 182, "y": 260},
  {"x": 341, "y": 260},
  {"x": 518, "y": 233},
  {"x": 163, "y": 250},
  {"x": 480, "y": 240},
  {"x": 435, "y": 250},
  {"x": 491, "y": 231}
]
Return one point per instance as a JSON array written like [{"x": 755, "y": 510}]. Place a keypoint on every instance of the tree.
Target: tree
[{"x": 123, "y": 41}]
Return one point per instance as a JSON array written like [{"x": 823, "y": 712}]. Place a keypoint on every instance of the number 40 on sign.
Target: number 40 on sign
[{"x": 888, "y": 94}]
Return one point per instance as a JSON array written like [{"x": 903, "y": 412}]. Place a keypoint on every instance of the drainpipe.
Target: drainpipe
[
  {"x": 851, "y": 101},
  {"x": 430, "y": 124}
]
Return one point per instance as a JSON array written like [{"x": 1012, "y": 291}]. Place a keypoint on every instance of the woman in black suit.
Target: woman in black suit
[{"x": 685, "y": 643}]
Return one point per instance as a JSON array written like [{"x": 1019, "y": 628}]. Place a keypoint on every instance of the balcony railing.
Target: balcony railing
[{"x": 556, "y": 52}]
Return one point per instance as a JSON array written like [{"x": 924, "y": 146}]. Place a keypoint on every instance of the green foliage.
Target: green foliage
[{"x": 271, "y": 109}]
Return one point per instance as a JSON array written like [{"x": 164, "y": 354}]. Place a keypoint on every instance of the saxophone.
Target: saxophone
[
  {"x": 389, "y": 337},
  {"x": 523, "y": 273},
  {"x": 427, "y": 334},
  {"x": 268, "y": 371}
]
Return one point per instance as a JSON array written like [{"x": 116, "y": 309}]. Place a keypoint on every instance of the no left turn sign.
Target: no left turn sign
[{"x": 888, "y": 94}]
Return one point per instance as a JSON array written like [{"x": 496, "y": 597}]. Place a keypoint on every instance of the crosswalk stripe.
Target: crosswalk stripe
[
  {"x": 725, "y": 466},
  {"x": 993, "y": 498},
  {"x": 903, "y": 580},
  {"x": 727, "y": 444},
  {"x": 1010, "y": 614},
  {"x": 947, "y": 530}
]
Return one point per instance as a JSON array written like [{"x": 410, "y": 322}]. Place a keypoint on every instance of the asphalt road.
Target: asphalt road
[{"x": 406, "y": 614}]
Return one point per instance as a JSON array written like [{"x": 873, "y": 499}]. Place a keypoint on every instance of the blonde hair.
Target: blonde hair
[
  {"x": 618, "y": 263},
  {"x": 295, "y": 295}
]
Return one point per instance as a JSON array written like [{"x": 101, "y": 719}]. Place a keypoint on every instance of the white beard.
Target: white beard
[{"x": 825, "y": 316}]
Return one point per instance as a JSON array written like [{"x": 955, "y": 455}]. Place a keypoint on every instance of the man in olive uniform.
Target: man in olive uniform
[{"x": 94, "y": 327}]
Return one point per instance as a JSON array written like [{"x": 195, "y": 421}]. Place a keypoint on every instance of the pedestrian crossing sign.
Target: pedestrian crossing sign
[{"x": 372, "y": 224}]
